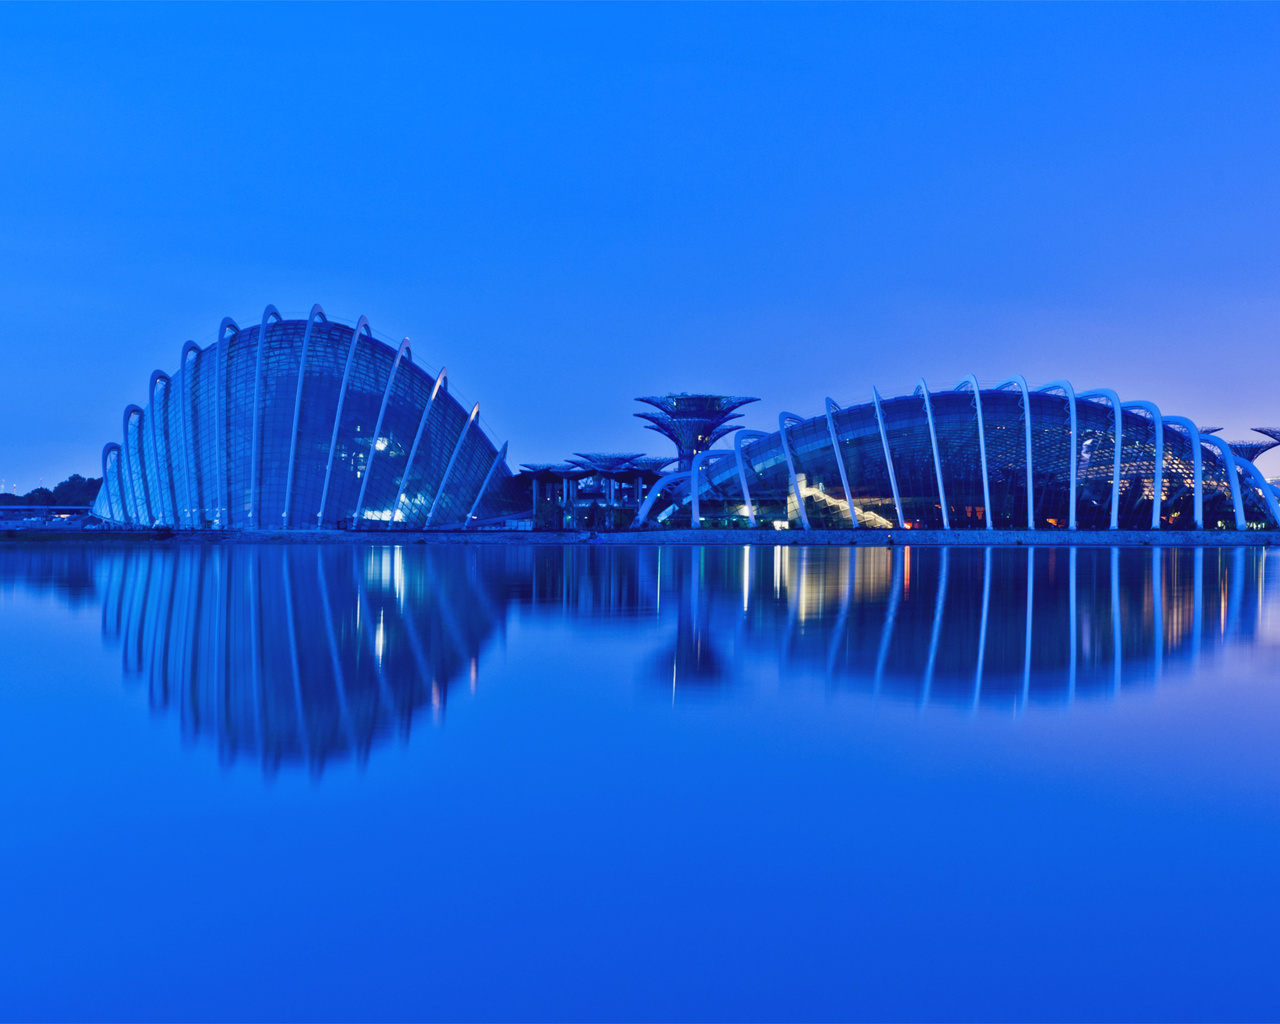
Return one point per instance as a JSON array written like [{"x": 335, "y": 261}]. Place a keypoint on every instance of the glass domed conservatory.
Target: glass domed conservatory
[
  {"x": 302, "y": 424},
  {"x": 1002, "y": 457}
]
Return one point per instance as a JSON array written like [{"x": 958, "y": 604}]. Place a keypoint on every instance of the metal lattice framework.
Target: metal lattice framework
[
  {"x": 1251, "y": 449},
  {"x": 1002, "y": 457},
  {"x": 302, "y": 424}
]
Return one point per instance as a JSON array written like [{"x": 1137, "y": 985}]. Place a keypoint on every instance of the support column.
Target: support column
[
  {"x": 923, "y": 389},
  {"x": 255, "y": 459},
  {"x": 361, "y": 325},
  {"x": 972, "y": 381},
  {"x": 377, "y": 429},
  {"x": 888, "y": 458},
  {"x": 1065, "y": 387},
  {"x": 417, "y": 440},
  {"x": 783, "y": 419},
  {"x": 448, "y": 470},
  {"x": 1117, "y": 434}
]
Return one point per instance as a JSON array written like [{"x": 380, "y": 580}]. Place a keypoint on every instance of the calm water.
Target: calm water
[{"x": 632, "y": 783}]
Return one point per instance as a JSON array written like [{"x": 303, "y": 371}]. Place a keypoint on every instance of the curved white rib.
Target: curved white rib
[
  {"x": 888, "y": 458},
  {"x": 1065, "y": 387},
  {"x": 255, "y": 460},
  {"x": 1117, "y": 437},
  {"x": 417, "y": 439},
  {"x": 448, "y": 470},
  {"x": 1268, "y": 493},
  {"x": 783, "y": 419},
  {"x": 132, "y": 497},
  {"x": 106, "y": 486},
  {"x": 659, "y": 485},
  {"x": 361, "y": 325},
  {"x": 832, "y": 409},
  {"x": 1193, "y": 433},
  {"x": 738, "y": 438},
  {"x": 695, "y": 485},
  {"x": 1157, "y": 475},
  {"x": 972, "y": 381},
  {"x": 223, "y": 501},
  {"x": 185, "y": 378},
  {"x": 1233, "y": 477},
  {"x": 484, "y": 486},
  {"x": 316, "y": 311},
  {"x": 1021, "y": 382},
  {"x": 170, "y": 511},
  {"x": 377, "y": 428},
  {"x": 923, "y": 389}
]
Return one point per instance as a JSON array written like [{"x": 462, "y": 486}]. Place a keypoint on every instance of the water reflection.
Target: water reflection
[{"x": 299, "y": 654}]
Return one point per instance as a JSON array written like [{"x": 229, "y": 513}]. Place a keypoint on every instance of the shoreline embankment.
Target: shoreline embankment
[{"x": 701, "y": 537}]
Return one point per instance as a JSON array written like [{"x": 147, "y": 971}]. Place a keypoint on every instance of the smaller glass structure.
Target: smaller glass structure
[{"x": 302, "y": 424}]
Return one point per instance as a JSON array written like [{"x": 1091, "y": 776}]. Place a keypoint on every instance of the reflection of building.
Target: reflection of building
[
  {"x": 302, "y": 423},
  {"x": 1006, "y": 457},
  {"x": 300, "y": 653},
  {"x": 969, "y": 626}
]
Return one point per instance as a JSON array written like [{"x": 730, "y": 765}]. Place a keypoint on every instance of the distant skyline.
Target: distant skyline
[{"x": 571, "y": 206}]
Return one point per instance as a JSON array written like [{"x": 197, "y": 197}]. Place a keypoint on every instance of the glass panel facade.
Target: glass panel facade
[
  {"x": 959, "y": 453},
  {"x": 188, "y": 459}
]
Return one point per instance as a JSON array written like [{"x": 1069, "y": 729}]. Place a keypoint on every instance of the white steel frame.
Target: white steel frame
[
  {"x": 1065, "y": 387},
  {"x": 361, "y": 325},
  {"x": 401, "y": 352},
  {"x": 972, "y": 381},
  {"x": 922, "y": 389},
  {"x": 888, "y": 459},
  {"x": 1021, "y": 383},
  {"x": 783, "y": 419}
]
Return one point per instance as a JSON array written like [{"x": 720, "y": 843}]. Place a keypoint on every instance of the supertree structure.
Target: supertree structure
[
  {"x": 692, "y": 422},
  {"x": 1251, "y": 449}
]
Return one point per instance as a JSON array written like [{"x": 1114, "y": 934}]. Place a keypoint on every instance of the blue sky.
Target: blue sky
[{"x": 573, "y": 205}]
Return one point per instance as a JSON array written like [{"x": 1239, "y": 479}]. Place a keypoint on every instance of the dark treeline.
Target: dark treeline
[{"x": 74, "y": 490}]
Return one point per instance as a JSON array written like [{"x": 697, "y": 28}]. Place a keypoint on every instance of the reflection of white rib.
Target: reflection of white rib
[
  {"x": 938, "y": 606},
  {"x": 1116, "y": 635},
  {"x": 304, "y": 737},
  {"x": 982, "y": 629},
  {"x": 886, "y": 634},
  {"x": 339, "y": 681},
  {"x": 1075, "y": 639},
  {"x": 1031, "y": 593}
]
